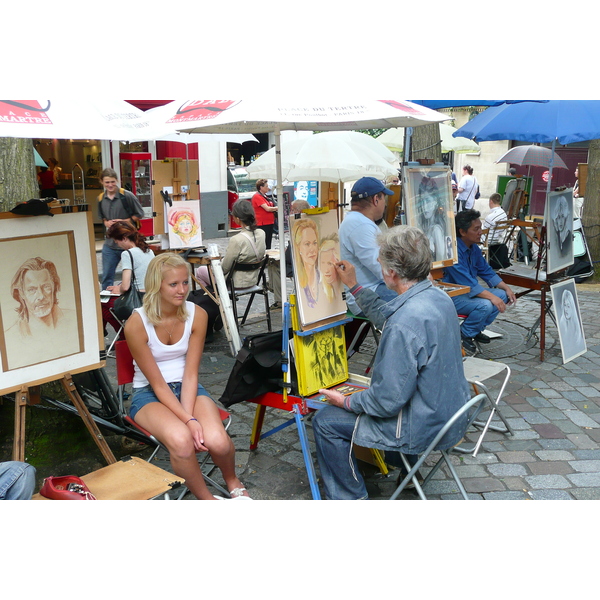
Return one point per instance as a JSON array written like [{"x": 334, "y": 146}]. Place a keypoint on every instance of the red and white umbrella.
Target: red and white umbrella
[
  {"x": 76, "y": 118},
  {"x": 533, "y": 156}
]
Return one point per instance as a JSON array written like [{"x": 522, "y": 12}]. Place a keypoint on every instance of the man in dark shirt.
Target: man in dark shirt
[{"x": 115, "y": 206}]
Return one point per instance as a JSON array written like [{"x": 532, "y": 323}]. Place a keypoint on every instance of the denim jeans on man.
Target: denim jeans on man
[
  {"x": 111, "y": 257},
  {"x": 17, "y": 480}
]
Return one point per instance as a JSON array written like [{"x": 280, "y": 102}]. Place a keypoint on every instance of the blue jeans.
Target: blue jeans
[
  {"x": 333, "y": 428},
  {"x": 17, "y": 480},
  {"x": 479, "y": 311},
  {"x": 111, "y": 257}
]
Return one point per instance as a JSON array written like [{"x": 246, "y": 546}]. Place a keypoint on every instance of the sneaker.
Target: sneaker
[
  {"x": 276, "y": 306},
  {"x": 482, "y": 338},
  {"x": 469, "y": 344}
]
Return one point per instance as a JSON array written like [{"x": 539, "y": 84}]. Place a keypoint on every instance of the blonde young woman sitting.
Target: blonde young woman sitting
[{"x": 166, "y": 339}]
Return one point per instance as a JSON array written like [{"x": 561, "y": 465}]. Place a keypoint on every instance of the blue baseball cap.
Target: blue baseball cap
[{"x": 368, "y": 186}]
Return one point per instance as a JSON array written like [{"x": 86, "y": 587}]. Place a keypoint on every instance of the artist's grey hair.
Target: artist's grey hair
[{"x": 406, "y": 251}]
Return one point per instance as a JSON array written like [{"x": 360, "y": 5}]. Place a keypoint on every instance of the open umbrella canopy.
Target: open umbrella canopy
[
  {"x": 76, "y": 118},
  {"x": 331, "y": 156},
  {"x": 535, "y": 156},
  {"x": 264, "y": 116},
  {"x": 394, "y": 140},
  {"x": 565, "y": 121}
]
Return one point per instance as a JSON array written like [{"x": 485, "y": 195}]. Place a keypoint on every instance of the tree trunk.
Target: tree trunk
[
  {"x": 591, "y": 203},
  {"x": 18, "y": 181},
  {"x": 426, "y": 142}
]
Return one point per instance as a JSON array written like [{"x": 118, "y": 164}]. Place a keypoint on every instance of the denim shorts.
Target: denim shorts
[{"x": 145, "y": 395}]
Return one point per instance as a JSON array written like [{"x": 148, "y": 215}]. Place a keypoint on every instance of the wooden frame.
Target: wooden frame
[
  {"x": 73, "y": 342},
  {"x": 429, "y": 205},
  {"x": 568, "y": 319}
]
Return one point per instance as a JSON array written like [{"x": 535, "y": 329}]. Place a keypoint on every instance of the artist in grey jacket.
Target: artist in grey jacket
[{"x": 418, "y": 381}]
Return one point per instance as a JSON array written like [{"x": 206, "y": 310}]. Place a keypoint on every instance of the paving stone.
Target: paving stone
[
  {"x": 581, "y": 419},
  {"x": 506, "y": 496},
  {"x": 516, "y": 457},
  {"x": 547, "y": 444},
  {"x": 585, "y": 479},
  {"x": 554, "y": 467},
  {"x": 586, "y": 493},
  {"x": 550, "y": 495},
  {"x": 548, "y": 482},
  {"x": 549, "y": 431},
  {"x": 586, "y": 466},
  {"x": 583, "y": 441},
  {"x": 554, "y": 455},
  {"x": 535, "y": 417},
  {"x": 483, "y": 484},
  {"x": 507, "y": 470}
]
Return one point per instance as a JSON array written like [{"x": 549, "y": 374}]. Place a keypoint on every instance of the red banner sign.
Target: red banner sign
[
  {"x": 24, "y": 111},
  {"x": 200, "y": 110}
]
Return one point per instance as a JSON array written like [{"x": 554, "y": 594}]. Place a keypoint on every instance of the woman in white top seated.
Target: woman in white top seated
[
  {"x": 129, "y": 239},
  {"x": 166, "y": 339}
]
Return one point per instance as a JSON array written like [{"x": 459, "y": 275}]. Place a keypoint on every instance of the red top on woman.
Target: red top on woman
[{"x": 263, "y": 217}]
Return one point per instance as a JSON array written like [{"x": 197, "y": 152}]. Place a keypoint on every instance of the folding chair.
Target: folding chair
[
  {"x": 478, "y": 370},
  {"x": 474, "y": 406},
  {"x": 259, "y": 288},
  {"x": 117, "y": 335},
  {"x": 125, "y": 372}
]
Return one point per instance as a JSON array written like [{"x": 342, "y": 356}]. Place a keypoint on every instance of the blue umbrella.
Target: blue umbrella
[
  {"x": 565, "y": 121},
  {"x": 562, "y": 121}
]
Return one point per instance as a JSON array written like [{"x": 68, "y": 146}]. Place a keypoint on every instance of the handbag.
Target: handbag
[
  {"x": 126, "y": 303},
  {"x": 68, "y": 487}
]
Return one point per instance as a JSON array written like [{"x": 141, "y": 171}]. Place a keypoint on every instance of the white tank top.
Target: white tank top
[{"x": 170, "y": 359}]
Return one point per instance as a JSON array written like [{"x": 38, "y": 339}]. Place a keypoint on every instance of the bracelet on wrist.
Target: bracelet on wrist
[{"x": 192, "y": 419}]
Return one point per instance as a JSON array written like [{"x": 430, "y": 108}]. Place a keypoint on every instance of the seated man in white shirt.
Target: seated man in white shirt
[{"x": 497, "y": 249}]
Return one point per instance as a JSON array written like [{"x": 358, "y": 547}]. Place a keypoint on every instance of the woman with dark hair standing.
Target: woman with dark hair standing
[
  {"x": 135, "y": 259},
  {"x": 264, "y": 209}
]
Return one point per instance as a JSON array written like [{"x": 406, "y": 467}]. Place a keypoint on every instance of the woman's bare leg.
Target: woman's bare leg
[
  {"x": 166, "y": 427},
  {"x": 217, "y": 440}
]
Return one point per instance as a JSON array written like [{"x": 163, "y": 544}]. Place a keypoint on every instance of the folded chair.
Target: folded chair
[
  {"x": 125, "y": 372},
  {"x": 261, "y": 288},
  {"x": 478, "y": 370},
  {"x": 472, "y": 409}
]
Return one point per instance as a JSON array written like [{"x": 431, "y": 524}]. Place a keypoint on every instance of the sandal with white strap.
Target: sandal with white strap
[{"x": 238, "y": 494}]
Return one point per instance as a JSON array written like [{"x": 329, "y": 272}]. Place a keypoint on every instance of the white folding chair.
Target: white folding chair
[
  {"x": 471, "y": 409},
  {"x": 478, "y": 370}
]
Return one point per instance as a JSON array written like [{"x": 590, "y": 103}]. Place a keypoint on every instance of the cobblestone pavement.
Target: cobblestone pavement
[{"x": 553, "y": 408}]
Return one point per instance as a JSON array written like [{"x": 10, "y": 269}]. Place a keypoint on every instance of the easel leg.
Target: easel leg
[
  {"x": 259, "y": 417},
  {"x": 84, "y": 413},
  {"x": 308, "y": 462},
  {"x": 543, "y": 325},
  {"x": 21, "y": 402}
]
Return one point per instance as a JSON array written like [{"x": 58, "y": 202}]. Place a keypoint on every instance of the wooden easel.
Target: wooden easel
[{"x": 30, "y": 396}]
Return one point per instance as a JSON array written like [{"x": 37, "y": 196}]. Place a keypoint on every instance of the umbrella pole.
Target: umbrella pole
[{"x": 280, "y": 216}]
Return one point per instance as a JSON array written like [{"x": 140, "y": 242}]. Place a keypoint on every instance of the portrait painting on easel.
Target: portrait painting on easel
[
  {"x": 40, "y": 296},
  {"x": 568, "y": 318},
  {"x": 50, "y": 318},
  {"x": 183, "y": 224},
  {"x": 430, "y": 207},
  {"x": 316, "y": 249},
  {"x": 558, "y": 219}
]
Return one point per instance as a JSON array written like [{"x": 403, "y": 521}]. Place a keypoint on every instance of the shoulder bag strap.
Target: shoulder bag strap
[
  {"x": 133, "y": 281},
  {"x": 247, "y": 236}
]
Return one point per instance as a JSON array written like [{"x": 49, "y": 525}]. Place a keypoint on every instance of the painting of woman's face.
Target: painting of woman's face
[
  {"x": 328, "y": 270},
  {"x": 429, "y": 202},
  {"x": 309, "y": 246}
]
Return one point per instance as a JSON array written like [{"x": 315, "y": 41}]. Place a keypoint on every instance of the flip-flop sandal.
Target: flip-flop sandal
[{"x": 238, "y": 494}]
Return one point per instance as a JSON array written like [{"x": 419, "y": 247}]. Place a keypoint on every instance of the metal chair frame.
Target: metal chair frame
[
  {"x": 475, "y": 404},
  {"x": 261, "y": 287}
]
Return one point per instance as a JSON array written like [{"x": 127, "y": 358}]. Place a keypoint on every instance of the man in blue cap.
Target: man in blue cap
[{"x": 358, "y": 237}]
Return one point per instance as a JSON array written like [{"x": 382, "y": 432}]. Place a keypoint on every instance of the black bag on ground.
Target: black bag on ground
[
  {"x": 498, "y": 256},
  {"x": 126, "y": 303},
  {"x": 257, "y": 369}
]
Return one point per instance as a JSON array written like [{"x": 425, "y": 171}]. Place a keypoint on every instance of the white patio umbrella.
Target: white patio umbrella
[
  {"x": 394, "y": 140},
  {"x": 335, "y": 156},
  {"x": 265, "y": 116},
  {"x": 74, "y": 118}
]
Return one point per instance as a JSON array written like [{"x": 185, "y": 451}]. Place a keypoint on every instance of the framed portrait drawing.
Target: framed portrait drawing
[
  {"x": 558, "y": 219},
  {"x": 315, "y": 250},
  {"x": 429, "y": 205},
  {"x": 183, "y": 224},
  {"x": 568, "y": 318},
  {"x": 50, "y": 320}
]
